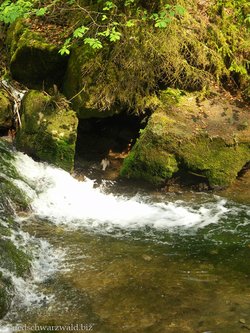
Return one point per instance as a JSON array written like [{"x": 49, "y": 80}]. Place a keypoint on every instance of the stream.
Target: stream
[{"x": 111, "y": 258}]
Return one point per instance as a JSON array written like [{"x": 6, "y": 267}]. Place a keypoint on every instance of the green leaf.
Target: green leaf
[
  {"x": 161, "y": 24},
  {"x": 130, "y": 23},
  {"x": 64, "y": 50},
  {"x": 129, "y": 2},
  {"x": 114, "y": 35},
  {"x": 79, "y": 32},
  {"x": 41, "y": 11},
  {"x": 104, "y": 33},
  {"x": 154, "y": 16},
  {"x": 109, "y": 5},
  {"x": 93, "y": 42},
  {"x": 167, "y": 6},
  {"x": 180, "y": 10}
]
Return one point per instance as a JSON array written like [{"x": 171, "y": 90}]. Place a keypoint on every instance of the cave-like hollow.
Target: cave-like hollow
[{"x": 110, "y": 137}]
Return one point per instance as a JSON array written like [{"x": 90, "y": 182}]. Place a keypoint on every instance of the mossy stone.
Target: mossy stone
[
  {"x": 34, "y": 61},
  {"x": 192, "y": 136},
  {"x": 5, "y": 110},
  {"x": 150, "y": 163},
  {"x": 49, "y": 129},
  {"x": 13, "y": 259},
  {"x": 74, "y": 82}
]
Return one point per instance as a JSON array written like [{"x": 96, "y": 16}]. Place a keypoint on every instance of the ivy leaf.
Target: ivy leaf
[{"x": 93, "y": 42}]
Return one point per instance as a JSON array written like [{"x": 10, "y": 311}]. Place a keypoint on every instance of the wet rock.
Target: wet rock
[
  {"x": 211, "y": 149},
  {"x": 49, "y": 129},
  {"x": 33, "y": 61}
]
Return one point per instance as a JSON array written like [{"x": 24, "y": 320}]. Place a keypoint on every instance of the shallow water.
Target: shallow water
[{"x": 149, "y": 262}]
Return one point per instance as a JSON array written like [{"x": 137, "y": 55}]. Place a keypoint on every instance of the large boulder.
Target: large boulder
[
  {"x": 5, "y": 110},
  {"x": 33, "y": 60},
  {"x": 209, "y": 139},
  {"x": 49, "y": 129},
  {"x": 80, "y": 89}
]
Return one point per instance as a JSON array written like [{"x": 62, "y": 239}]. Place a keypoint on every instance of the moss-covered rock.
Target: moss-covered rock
[
  {"x": 49, "y": 129},
  {"x": 5, "y": 298},
  {"x": 5, "y": 110},
  {"x": 75, "y": 82},
  {"x": 33, "y": 61},
  {"x": 13, "y": 259},
  {"x": 149, "y": 162},
  {"x": 204, "y": 138}
]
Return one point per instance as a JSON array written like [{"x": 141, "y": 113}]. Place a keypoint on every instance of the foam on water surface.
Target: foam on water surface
[{"x": 58, "y": 197}]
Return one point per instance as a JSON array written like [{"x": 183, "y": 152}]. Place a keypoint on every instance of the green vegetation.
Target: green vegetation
[
  {"x": 139, "y": 47},
  {"x": 5, "y": 110}
]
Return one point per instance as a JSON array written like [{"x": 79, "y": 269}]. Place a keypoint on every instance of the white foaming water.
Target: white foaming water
[
  {"x": 57, "y": 196},
  {"x": 45, "y": 261}
]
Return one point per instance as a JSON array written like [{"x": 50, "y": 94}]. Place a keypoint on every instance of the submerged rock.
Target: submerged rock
[
  {"x": 49, "y": 129},
  {"x": 33, "y": 61},
  {"x": 206, "y": 139},
  {"x": 5, "y": 111}
]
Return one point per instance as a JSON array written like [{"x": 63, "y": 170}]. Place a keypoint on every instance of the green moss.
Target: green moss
[
  {"x": 49, "y": 129},
  {"x": 5, "y": 110},
  {"x": 13, "y": 259},
  {"x": 146, "y": 161},
  {"x": 83, "y": 101},
  {"x": 33, "y": 60},
  {"x": 190, "y": 136},
  {"x": 171, "y": 96},
  {"x": 5, "y": 298},
  {"x": 214, "y": 159}
]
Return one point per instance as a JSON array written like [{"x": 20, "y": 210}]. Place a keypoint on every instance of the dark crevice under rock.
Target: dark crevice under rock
[
  {"x": 100, "y": 138},
  {"x": 97, "y": 137}
]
